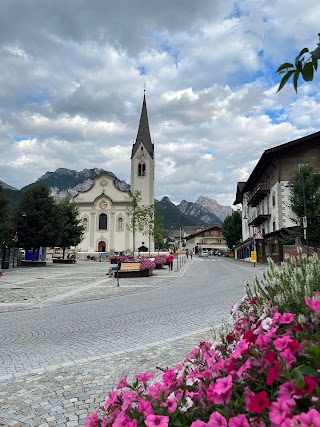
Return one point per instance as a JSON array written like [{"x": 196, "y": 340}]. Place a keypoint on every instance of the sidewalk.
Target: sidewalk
[{"x": 65, "y": 395}]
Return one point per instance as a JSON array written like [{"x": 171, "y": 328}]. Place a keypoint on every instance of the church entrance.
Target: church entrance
[{"x": 102, "y": 246}]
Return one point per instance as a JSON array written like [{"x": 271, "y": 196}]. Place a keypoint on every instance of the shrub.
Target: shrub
[{"x": 265, "y": 372}]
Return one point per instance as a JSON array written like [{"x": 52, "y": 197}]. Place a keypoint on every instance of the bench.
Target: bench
[{"x": 129, "y": 269}]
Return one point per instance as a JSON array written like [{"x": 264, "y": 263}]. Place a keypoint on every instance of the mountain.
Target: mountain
[
  {"x": 66, "y": 183},
  {"x": 7, "y": 186},
  {"x": 213, "y": 206},
  {"x": 198, "y": 211},
  {"x": 173, "y": 216}
]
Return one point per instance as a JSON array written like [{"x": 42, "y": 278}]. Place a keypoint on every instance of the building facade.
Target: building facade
[
  {"x": 266, "y": 211},
  {"x": 209, "y": 238},
  {"x": 104, "y": 209}
]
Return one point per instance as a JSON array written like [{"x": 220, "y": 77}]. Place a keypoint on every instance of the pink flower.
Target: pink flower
[
  {"x": 223, "y": 385},
  {"x": 169, "y": 376},
  {"x": 259, "y": 403},
  {"x": 248, "y": 394},
  {"x": 279, "y": 411},
  {"x": 286, "y": 391},
  {"x": 123, "y": 383},
  {"x": 155, "y": 390},
  {"x": 92, "y": 419},
  {"x": 241, "y": 348},
  {"x": 239, "y": 421},
  {"x": 217, "y": 420},
  {"x": 144, "y": 377},
  {"x": 282, "y": 342},
  {"x": 157, "y": 421},
  {"x": 286, "y": 318},
  {"x": 244, "y": 367},
  {"x": 266, "y": 323},
  {"x": 310, "y": 419},
  {"x": 145, "y": 407},
  {"x": 314, "y": 305},
  {"x": 288, "y": 357},
  {"x": 263, "y": 342},
  {"x": 171, "y": 405},
  {"x": 198, "y": 423},
  {"x": 113, "y": 397}
]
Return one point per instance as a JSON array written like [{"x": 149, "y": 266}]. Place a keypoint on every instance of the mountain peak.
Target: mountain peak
[{"x": 214, "y": 207}]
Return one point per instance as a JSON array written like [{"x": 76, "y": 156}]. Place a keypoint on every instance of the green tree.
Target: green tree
[
  {"x": 305, "y": 201},
  {"x": 159, "y": 231},
  {"x": 41, "y": 224},
  {"x": 305, "y": 64},
  {"x": 133, "y": 212},
  {"x": 6, "y": 223},
  {"x": 232, "y": 229},
  {"x": 145, "y": 221},
  {"x": 72, "y": 229}
]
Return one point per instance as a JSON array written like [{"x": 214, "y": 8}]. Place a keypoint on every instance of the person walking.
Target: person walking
[
  {"x": 187, "y": 253},
  {"x": 170, "y": 260},
  {"x": 190, "y": 253}
]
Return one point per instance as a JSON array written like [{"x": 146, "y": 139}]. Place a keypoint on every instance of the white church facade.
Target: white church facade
[{"x": 104, "y": 209}]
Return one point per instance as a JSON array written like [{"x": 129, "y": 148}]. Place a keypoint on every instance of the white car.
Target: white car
[{"x": 204, "y": 253}]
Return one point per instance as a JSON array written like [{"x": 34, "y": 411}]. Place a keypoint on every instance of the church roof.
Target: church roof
[{"x": 143, "y": 134}]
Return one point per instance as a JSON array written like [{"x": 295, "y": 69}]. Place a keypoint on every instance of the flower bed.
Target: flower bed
[
  {"x": 263, "y": 370},
  {"x": 146, "y": 264},
  {"x": 123, "y": 258}
]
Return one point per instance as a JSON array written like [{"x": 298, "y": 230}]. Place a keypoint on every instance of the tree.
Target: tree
[
  {"x": 72, "y": 229},
  {"x": 306, "y": 63},
  {"x": 145, "y": 221},
  {"x": 305, "y": 201},
  {"x": 159, "y": 231},
  {"x": 41, "y": 224},
  {"x": 232, "y": 229},
  {"x": 133, "y": 212},
  {"x": 6, "y": 224}
]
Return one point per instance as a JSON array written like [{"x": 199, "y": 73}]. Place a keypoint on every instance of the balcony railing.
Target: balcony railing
[
  {"x": 259, "y": 218},
  {"x": 258, "y": 194}
]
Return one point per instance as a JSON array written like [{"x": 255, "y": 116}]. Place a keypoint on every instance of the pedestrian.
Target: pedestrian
[
  {"x": 191, "y": 253},
  {"x": 169, "y": 260},
  {"x": 187, "y": 253}
]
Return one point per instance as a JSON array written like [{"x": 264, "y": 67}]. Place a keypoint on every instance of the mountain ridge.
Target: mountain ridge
[{"x": 66, "y": 183}]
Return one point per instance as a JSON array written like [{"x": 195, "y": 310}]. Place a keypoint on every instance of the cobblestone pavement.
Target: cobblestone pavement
[{"x": 62, "y": 394}]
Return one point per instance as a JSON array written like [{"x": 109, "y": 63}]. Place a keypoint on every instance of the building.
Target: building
[
  {"x": 104, "y": 208},
  {"x": 209, "y": 238},
  {"x": 266, "y": 212}
]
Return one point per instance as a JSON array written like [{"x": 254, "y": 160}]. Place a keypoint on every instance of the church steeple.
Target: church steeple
[{"x": 143, "y": 135}]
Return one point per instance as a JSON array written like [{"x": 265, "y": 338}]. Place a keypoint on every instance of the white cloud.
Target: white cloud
[{"x": 72, "y": 83}]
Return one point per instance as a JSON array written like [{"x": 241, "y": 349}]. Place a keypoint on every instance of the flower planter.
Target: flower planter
[
  {"x": 140, "y": 273},
  {"x": 159, "y": 266}
]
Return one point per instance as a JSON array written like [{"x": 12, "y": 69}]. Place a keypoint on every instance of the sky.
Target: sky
[{"x": 73, "y": 74}]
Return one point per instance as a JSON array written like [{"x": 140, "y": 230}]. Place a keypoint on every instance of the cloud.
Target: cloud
[{"x": 73, "y": 74}]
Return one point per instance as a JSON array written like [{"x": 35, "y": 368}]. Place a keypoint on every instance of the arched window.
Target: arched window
[
  {"x": 103, "y": 222},
  {"x": 120, "y": 223},
  {"x": 85, "y": 224},
  {"x": 141, "y": 169}
]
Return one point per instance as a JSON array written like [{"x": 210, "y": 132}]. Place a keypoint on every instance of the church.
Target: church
[{"x": 104, "y": 209}]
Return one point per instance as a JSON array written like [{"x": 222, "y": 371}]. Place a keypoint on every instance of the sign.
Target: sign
[
  {"x": 305, "y": 222},
  {"x": 253, "y": 256},
  {"x": 258, "y": 236}
]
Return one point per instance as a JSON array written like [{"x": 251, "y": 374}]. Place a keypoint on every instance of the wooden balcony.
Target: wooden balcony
[
  {"x": 259, "y": 219},
  {"x": 258, "y": 194}
]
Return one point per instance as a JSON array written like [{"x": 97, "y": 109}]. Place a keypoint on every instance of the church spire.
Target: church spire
[{"x": 143, "y": 135}]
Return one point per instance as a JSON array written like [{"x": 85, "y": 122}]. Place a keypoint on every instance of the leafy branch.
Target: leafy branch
[{"x": 306, "y": 63}]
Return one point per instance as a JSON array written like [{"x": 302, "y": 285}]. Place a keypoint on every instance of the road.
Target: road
[{"x": 57, "y": 334}]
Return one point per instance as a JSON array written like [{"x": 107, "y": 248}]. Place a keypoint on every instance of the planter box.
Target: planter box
[
  {"x": 63, "y": 261},
  {"x": 27, "y": 263},
  {"x": 140, "y": 273}
]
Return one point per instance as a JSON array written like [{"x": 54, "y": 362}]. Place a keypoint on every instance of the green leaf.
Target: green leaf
[
  {"x": 284, "y": 66},
  {"x": 307, "y": 72},
  {"x": 285, "y": 78},
  {"x": 309, "y": 371},
  {"x": 316, "y": 53},
  {"x": 297, "y": 375},
  {"x": 295, "y": 80},
  {"x": 304, "y": 50}
]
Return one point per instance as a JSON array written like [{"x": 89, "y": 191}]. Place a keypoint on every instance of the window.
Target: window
[
  {"x": 273, "y": 199},
  {"x": 141, "y": 169},
  {"x": 85, "y": 224},
  {"x": 103, "y": 222},
  {"x": 274, "y": 226},
  {"x": 120, "y": 223}
]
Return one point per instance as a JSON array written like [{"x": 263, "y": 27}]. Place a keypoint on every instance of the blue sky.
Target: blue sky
[{"x": 73, "y": 75}]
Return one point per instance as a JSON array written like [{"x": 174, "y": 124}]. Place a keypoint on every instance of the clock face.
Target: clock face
[{"x": 103, "y": 204}]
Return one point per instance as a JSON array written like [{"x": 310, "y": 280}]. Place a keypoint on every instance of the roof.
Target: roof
[
  {"x": 143, "y": 134},
  {"x": 203, "y": 231},
  {"x": 268, "y": 156}
]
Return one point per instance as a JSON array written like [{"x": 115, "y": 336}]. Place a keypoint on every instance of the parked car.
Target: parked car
[{"x": 204, "y": 253}]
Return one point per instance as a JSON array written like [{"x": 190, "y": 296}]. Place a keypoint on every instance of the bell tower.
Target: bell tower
[{"x": 142, "y": 160}]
